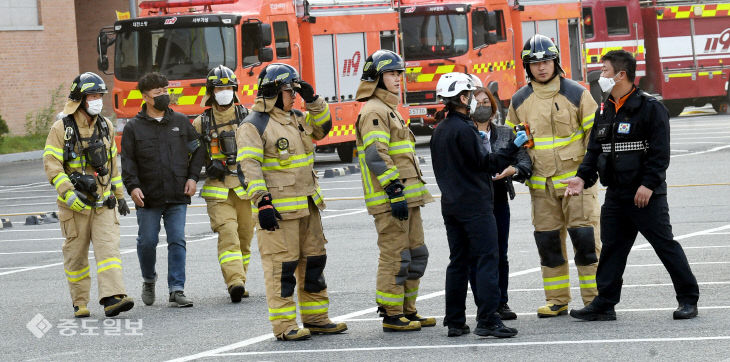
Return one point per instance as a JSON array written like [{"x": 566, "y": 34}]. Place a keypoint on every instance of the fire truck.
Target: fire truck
[
  {"x": 482, "y": 37},
  {"x": 682, "y": 48},
  {"x": 326, "y": 40}
]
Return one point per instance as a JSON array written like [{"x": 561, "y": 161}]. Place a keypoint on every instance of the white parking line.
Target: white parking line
[
  {"x": 624, "y": 286},
  {"x": 486, "y": 344},
  {"x": 268, "y": 336},
  {"x": 696, "y": 247},
  {"x": 703, "y": 152}
]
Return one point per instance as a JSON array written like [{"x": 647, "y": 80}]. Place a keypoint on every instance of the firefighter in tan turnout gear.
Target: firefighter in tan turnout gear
[
  {"x": 276, "y": 154},
  {"x": 394, "y": 192},
  {"x": 559, "y": 113},
  {"x": 80, "y": 161},
  {"x": 228, "y": 207}
]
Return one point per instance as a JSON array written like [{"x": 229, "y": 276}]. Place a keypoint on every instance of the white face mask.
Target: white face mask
[
  {"x": 472, "y": 105},
  {"x": 94, "y": 107},
  {"x": 224, "y": 97},
  {"x": 606, "y": 84}
]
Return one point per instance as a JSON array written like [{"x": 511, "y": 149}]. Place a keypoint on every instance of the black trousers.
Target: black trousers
[
  {"x": 502, "y": 216},
  {"x": 621, "y": 220},
  {"x": 473, "y": 247}
]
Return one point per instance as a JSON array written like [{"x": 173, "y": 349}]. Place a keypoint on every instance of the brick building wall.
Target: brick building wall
[
  {"x": 35, "y": 62},
  {"x": 91, "y": 17}
]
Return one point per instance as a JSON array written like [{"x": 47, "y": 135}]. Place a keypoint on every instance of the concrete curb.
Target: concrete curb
[
  {"x": 341, "y": 171},
  {"x": 21, "y": 156}
]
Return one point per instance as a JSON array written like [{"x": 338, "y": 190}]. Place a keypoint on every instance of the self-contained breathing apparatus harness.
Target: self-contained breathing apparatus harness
[
  {"x": 95, "y": 153},
  {"x": 226, "y": 142}
]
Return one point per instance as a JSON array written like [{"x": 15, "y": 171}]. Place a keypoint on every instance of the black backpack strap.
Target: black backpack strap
[
  {"x": 259, "y": 119},
  {"x": 71, "y": 131}
]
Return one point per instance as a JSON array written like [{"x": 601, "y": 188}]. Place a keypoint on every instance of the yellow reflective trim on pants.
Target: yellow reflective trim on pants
[
  {"x": 107, "y": 264},
  {"x": 75, "y": 276},
  {"x": 411, "y": 293},
  {"x": 283, "y": 313},
  {"x": 388, "y": 299},
  {"x": 559, "y": 282},
  {"x": 53, "y": 151},
  {"x": 587, "y": 281},
  {"x": 314, "y": 307},
  {"x": 227, "y": 256},
  {"x": 246, "y": 259}
]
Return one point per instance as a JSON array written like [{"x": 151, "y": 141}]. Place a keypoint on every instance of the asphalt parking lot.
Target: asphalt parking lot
[{"x": 36, "y": 313}]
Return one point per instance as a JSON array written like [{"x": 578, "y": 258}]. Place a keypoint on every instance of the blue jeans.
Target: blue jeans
[{"x": 148, "y": 220}]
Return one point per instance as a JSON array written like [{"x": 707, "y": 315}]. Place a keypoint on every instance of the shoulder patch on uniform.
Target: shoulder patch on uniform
[
  {"x": 259, "y": 119},
  {"x": 297, "y": 112},
  {"x": 571, "y": 90},
  {"x": 521, "y": 95}
]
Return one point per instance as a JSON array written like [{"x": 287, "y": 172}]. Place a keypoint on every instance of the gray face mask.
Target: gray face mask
[{"x": 482, "y": 114}]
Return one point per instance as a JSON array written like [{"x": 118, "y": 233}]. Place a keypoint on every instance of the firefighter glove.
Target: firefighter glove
[
  {"x": 73, "y": 200},
  {"x": 520, "y": 138},
  {"x": 122, "y": 207},
  {"x": 398, "y": 204},
  {"x": 268, "y": 214},
  {"x": 307, "y": 92}
]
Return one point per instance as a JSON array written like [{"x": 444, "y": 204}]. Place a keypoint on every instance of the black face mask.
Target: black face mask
[
  {"x": 161, "y": 102},
  {"x": 482, "y": 114}
]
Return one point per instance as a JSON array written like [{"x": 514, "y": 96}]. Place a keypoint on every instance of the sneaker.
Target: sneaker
[
  {"x": 425, "y": 322},
  {"x": 399, "y": 323},
  {"x": 497, "y": 329},
  {"x": 148, "y": 293},
  {"x": 552, "y": 310},
  {"x": 505, "y": 313},
  {"x": 80, "y": 311},
  {"x": 685, "y": 311},
  {"x": 117, "y": 304},
  {"x": 458, "y": 331},
  {"x": 299, "y": 334},
  {"x": 330, "y": 328},
  {"x": 236, "y": 291},
  {"x": 178, "y": 299},
  {"x": 593, "y": 313}
]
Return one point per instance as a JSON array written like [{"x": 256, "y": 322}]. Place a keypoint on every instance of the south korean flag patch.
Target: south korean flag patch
[{"x": 624, "y": 128}]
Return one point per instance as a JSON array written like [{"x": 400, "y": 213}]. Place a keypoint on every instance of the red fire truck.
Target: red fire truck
[
  {"x": 326, "y": 40},
  {"x": 471, "y": 36},
  {"x": 682, "y": 48}
]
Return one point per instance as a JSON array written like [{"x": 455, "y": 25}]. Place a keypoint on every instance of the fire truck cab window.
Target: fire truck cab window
[
  {"x": 281, "y": 38},
  {"x": 179, "y": 53},
  {"x": 617, "y": 20},
  {"x": 501, "y": 34},
  {"x": 250, "y": 42},
  {"x": 588, "y": 22},
  {"x": 434, "y": 36},
  {"x": 479, "y": 28}
]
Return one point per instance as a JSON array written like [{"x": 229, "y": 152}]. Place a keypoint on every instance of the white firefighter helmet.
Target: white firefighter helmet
[{"x": 451, "y": 84}]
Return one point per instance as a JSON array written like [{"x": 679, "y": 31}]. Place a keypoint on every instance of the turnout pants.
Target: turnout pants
[
  {"x": 553, "y": 215},
  {"x": 100, "y": 227},
  {"x": 231, "y": 219},
  {"x": 293, "y": 257},
  {"x": 402, "y": 261},
  {"x": 621, "y": 221}
]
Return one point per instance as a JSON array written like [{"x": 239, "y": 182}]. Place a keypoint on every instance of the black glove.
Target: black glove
[
  {"x": 307, "y": 92},
  {"x": 122, "y": 207},
  {"x": 398, "y": 204},
  {"x": 268, "y": 214}
]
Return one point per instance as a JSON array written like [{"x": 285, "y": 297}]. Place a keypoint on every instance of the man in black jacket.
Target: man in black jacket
[
  {"x": 161, "y": 162},
  {"x": 629, "y": 150},
  {"x": 463, "y": 170}
]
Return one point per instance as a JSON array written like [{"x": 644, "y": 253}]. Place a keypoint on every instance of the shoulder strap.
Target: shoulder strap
[
  {"x": 259, "y": 119},
  {"x": 205, "y": 121},
  {"x": 71, "y": 130}
]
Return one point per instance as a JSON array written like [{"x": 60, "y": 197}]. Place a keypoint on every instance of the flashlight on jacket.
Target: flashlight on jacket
[{"x": 525, "y": 127}]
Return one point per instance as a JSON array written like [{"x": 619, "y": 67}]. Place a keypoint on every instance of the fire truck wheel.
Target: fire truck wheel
[
  {"x": 675, "y": 109},
  {"x": 721, "y": 107},
  {"x": 346, "y": 151}
]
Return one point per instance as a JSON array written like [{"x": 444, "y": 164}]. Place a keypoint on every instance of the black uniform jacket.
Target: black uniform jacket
[
  {"x": 159, "y": 157},
  {"x": 463, "y": 167},
  {"x": 502, "y": 137},
  {"x": 629, "y": 148}
]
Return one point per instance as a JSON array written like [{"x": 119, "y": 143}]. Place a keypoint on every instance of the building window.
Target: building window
[
  {"x": 281, "y": 38},
  {"x": 617, "y": 20},
  {"x": 19, "y": 15}
]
